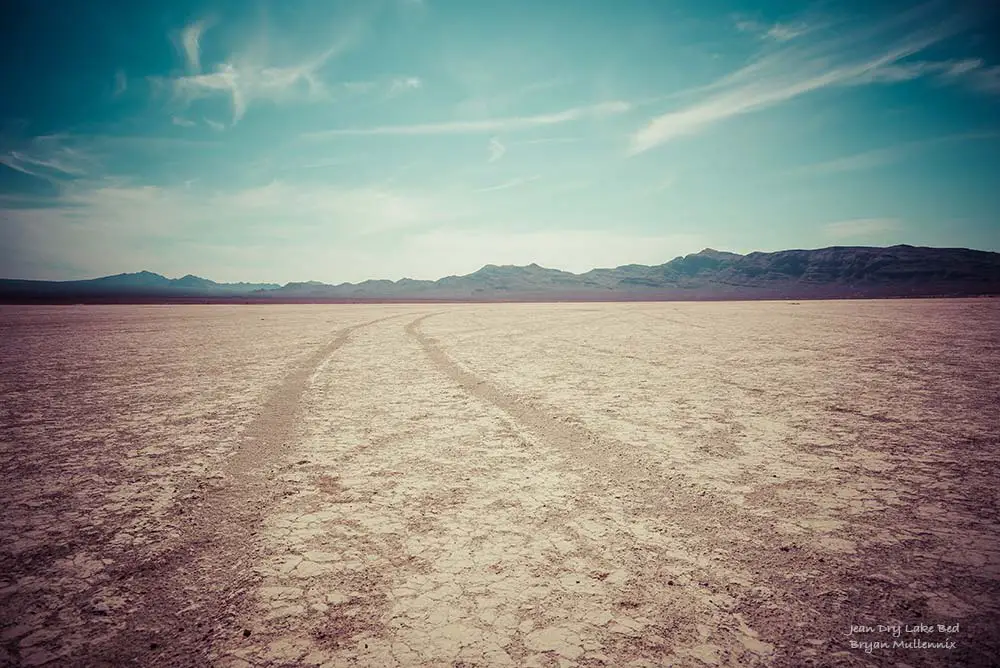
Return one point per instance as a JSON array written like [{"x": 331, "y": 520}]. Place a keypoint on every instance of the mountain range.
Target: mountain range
[{"x": 827, "y": 273}]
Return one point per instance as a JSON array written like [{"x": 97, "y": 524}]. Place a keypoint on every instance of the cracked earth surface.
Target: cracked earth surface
[{"x": 491, "y": 485}]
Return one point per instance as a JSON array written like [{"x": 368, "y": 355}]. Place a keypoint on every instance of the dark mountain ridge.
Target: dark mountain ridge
[
  {"x": 142, "y": 285},
  {"x": 834, "y": 272}
]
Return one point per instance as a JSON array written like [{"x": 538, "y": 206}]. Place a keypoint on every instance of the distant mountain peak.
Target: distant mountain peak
[
  {"x": 141, "y": 278},
  {"x": 712, "y": 252},
  {"x": 191, "y": 279},
  {"x": 497, "y": 268},
  {"x": 311, "y": 283},
  {"x": 145, "y": 274}
]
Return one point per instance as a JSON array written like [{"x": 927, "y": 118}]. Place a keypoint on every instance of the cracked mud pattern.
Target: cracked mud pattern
[{"x": 499, "y": 485}]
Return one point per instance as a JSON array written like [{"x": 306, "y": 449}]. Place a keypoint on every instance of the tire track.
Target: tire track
[
  {"x": 608, "y": 455},
  {"x": 611, "y": 462},
  {"x": 685, "y": 528},
  {"x": 618, "y": 470},
  {"x": 645, "y": 485},
  {"x": 732, "y": 557},
  {"x": 270, "y": 431},
  {"x": 188, "y": 601}
]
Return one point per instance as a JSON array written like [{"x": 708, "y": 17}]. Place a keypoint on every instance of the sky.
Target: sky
[{"x": 343, "y": 140}]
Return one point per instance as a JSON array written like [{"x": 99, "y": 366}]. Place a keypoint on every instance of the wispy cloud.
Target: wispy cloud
[
  {"x": 183, "y": 122},
  {"x": 782, "y": 32},
  {"x": 244, "y": 80},
  {"x": 121, "y": 83},
  {"x": 855, "y": 162},
  {"x": 246, "y": 84},
  {"x": 974, "y": 73},
  {"x": 778, "y": 32},
  {"x": 861, "y": 228},
  {"x": 67, "y": 159},
  {"x": 508, "y": 124},
  {"x": 496, "y": 149},
  {"x": 790, "y": 70},
  {"x": 18, "y": 164},
  {"x": 506, "y": 185},
  {"x": 886, "y": 155},
  {"x": 49, "y": 157},
  {"x": 906, "y": 71},
  {"x": 190, "y": 43},
  {"x": 403, "y": 84}
]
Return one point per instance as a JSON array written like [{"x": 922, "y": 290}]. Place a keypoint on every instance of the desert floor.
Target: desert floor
[{"x": 487, "y": 485}]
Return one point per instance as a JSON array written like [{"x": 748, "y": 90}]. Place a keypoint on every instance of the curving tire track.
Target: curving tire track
[
  {"x": 642, "y": 481},
  {"x": 189, "y": 602},
  {"x": 647, "y": 490},
  {"x": 611, "y": 457},
  {"x": 268, "y": 434}
]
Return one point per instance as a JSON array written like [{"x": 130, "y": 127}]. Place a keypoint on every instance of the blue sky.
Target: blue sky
[{"x": 338, "y": 141}]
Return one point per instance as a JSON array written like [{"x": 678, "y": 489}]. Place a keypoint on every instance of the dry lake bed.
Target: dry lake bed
[{"x": 641, "y": 484}]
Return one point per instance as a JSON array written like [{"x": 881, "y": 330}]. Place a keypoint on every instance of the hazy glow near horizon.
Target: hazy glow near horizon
[{"x": 342, "y": 141}]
